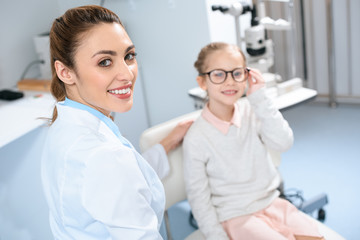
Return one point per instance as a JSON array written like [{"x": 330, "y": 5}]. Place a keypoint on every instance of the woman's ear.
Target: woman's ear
[
  {"x": 64, "y": 73},
  {"x": 202, "y": 82}
]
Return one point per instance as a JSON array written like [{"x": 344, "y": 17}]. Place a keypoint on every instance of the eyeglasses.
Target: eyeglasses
[{"x": 218, "y": 76}]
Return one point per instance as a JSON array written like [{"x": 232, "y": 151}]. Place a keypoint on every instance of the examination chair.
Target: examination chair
[{"x": 174, "y": 184}]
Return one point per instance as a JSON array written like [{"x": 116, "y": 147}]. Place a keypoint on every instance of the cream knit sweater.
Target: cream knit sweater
[{"x": 233, "y": 175}]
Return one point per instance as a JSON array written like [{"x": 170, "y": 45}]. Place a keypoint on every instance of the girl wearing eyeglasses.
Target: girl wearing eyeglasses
[{"x": 231, "y": 181}]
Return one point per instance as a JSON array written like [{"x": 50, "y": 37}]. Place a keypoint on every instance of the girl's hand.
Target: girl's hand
[{"x": 255, "y": 80}]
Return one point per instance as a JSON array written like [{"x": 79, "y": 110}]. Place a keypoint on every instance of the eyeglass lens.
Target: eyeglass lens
[{"x": 219, "y": 76}]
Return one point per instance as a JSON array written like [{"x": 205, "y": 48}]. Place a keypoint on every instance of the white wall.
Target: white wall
[
  {"x": 354, "y": 46},
  {"x": 20, "y": 21},
  {"x": 316, "y": 47},
  {"x": 222, "y": 26},
  {"x": 346, "y": 50},
  {"x": 285, "y": 49},
  {"x": 168, "y": 36}
]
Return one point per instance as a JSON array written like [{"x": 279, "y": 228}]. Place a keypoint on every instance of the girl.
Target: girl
[
  {"x": 97, "y": 186},
  {"x": 230, "y": 179}
]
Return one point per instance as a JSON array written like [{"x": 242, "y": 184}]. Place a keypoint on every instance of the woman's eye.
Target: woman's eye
[
  {"x": 105, "y": 63},
  {"x": 130, "y": 56}
]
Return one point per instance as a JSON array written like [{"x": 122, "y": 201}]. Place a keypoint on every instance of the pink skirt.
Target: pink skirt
[{"x": 280, "y": 220}]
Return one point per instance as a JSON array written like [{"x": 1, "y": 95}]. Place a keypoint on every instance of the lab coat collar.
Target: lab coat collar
[{"x": 111, "y": 125}]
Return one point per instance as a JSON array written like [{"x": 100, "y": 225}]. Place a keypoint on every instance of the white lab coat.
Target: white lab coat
[{"x": 97, "y": 186}]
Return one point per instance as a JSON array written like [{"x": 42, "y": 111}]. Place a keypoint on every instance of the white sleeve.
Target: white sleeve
[
  {"x": 199, "y": 193},
  {"x": 116, "y": 194},
  {"x": 157, "y": 158},
  {"x": 274, "y": 130}
]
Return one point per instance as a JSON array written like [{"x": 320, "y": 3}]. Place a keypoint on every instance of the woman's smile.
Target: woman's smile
[{"x": 122, "y": 92}]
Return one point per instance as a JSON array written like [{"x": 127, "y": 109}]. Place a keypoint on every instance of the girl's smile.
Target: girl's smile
[{"x": 229, "y": 92}]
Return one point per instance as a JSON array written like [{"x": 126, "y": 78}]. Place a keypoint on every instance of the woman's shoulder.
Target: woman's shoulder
[
  {"x": 83, "y": 139},
  {"x": 69, "y": 133},
  {"x": 95, "y": 151}
]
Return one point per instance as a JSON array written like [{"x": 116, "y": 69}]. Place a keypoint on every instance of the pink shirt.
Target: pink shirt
[{"x": 221, "y": 125}]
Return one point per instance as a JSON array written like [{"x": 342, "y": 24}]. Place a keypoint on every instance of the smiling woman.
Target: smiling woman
[
  {"x": 96, "y": 184},
  {"x": 104, "y": 63}
]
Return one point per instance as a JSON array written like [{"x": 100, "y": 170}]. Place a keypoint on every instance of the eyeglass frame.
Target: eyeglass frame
[{"x": 247, "y": 70}]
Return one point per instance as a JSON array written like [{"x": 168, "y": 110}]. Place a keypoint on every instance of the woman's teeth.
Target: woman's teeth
[{"x": 121, "y": 91}]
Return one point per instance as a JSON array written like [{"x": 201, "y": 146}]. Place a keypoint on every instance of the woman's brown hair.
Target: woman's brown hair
[{"x": 65, "y": 37}]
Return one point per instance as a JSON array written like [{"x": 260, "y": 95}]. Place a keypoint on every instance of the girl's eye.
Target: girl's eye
[
  {"x": 130, "y": 56},
  {"x": 237, "y": 73},
  {"x": 105, "y": 63},
  {"x": 218, "y": 74}
]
